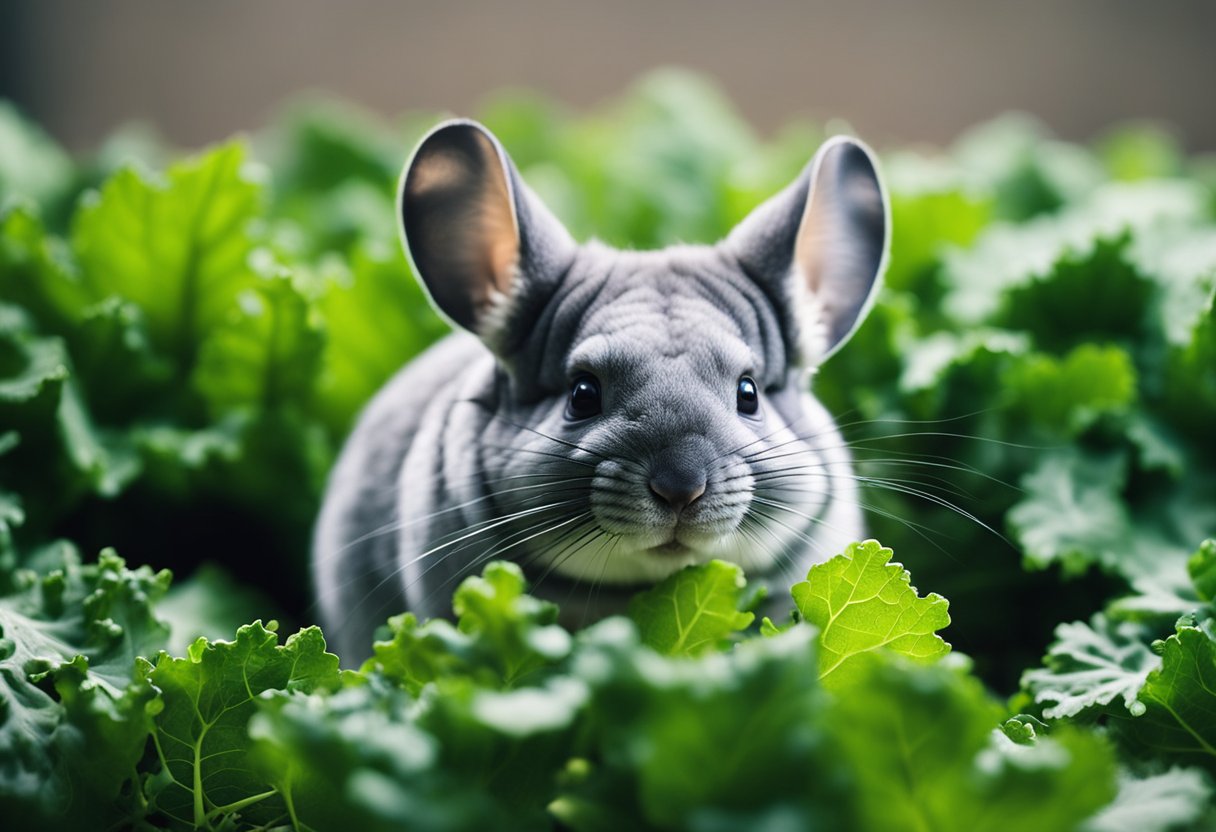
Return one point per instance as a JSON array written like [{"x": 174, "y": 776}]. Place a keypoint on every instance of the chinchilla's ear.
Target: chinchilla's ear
[
  {"x": 819, "y": 247},
  {"x": 482, "y": 243}
]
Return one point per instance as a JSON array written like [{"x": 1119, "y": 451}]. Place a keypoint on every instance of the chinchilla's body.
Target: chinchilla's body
[{"x": 617, "y": 415}]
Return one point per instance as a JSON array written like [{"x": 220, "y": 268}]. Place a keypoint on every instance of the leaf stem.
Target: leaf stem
[{"x": 237, "y": 805}]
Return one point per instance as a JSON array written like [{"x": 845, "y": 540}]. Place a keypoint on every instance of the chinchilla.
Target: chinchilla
[{"x": 606, "y": 417}]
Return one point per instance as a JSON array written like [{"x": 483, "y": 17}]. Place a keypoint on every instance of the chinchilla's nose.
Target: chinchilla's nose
[
  {"x": 677, "y": 493},
  {"x": 678, "y": 478}
]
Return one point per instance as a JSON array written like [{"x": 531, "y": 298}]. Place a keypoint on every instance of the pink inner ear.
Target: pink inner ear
[
  {"x": 463, "y": 233},
  {"x": 836, "y": 251},
  {"x": 497, "y": 235},
  {"x": 822, "y": 234}
]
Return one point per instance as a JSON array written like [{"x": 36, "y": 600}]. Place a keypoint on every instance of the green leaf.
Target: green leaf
[
  {"x": 1035, "y": 276},
  {"x": 1067, "y": 395},
  {"x": 34, "y": 367},
  {"x": 481, "y": 733},
  {"x": 41, "y": 399},
  {"x": 513, "y": 633},
  {"x": 359, "y": 358},
  {"x": 930, "y": 212},
  {"x": 1072, "y": 512},
  {"x": 928, "y": 362},
  {"x": 266, "y": 354},
  {"x": 694, "y": 610},
  {"x": 115, "y": 368},
  {"x": 1141, "y": 151},
  {"x": 1181, "y": 259},
  {"x": 1156, "y": 803},
  {"x": 1014, "y": 158},
  {"x": 733, "y": 740},
  {"x": 416, "y": 655},
  {"x": 36, "y": 272},
  {"x": 1090, "y": 665},
  {"x": 921, "y": 746},
  {"x": 862, "y": 602},
  {"x": 769, "y": 629},
  {"x": 358, "y": 759},
  {"x": 654, "y": 170},
  {"x": 326, "y": 143},
  {"x": 1202, "y": 568},
  {"x": 1179, "y": 720},
  {"x": 178, "y": 248},
  {"x": 201, "y": 734},
  {"x": 1023, "y": 729},
  {"x": 209, "y": 604},
  {"x": 1158, "y": 447},
  {"x": 503, "y": 637},
  {"x": 1189, "y": 383},
  {"x": 76, "y": 630}
]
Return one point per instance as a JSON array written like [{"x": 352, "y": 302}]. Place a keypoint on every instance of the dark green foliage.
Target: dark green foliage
[{"x": 183, "y": 348}]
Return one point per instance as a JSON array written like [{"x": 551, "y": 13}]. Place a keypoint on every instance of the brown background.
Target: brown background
[{"x": 898, "y": 71}]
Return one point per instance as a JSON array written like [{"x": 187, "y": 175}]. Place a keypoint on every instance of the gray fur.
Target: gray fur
[{"x": 468, "y": 454}]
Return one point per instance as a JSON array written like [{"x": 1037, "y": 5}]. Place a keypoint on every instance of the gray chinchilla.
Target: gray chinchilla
[{"x": 614, "y": 415}]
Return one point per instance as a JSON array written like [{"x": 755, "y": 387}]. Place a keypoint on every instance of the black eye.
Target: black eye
[
  {"x": 584, "y": 397},
  {"x": 747, "y": 399}
]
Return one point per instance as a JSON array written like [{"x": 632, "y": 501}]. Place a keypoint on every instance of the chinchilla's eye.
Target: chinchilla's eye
[
  {"x": 584, "y": 397},
  {"x": 747, "y": 399}
]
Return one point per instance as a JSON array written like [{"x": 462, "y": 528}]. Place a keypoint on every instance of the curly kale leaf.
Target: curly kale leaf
[
  {"x": 201, "y": 737},
  {"x": 74, "y": 714}
]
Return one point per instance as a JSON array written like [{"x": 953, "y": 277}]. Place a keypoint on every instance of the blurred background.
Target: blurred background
[{"x": 897, "y": 72}]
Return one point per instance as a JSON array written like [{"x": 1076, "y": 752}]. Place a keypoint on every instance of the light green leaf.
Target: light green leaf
[
  {"x": 514, "y": 632},
  {"x": 266, "y": 353},
  {"x": 1067, "y": 395},
  {"x": 1090, "y": 665},
  {"x": 1158, "y": 447},
  {"x": 861, "y": 602},
  {"x": 1023, "y": 729},
  {"x": 930, "y": 211},
  {"x": 415, "y": 654},
  {"x": 1142, "y": 150},
  {"x": 178, "y": 247},
  {"x": 1181, "y": 259},
  {"x": 768, "y": 629},
  {"x": 694, "y": 610},
  {"x": 1014, "y": 158},
  {"x": 36, "y": 273},
  {"x": 1075, "y": 259},
  {"x": 1202, "y": 568},
  {"x": 376, "y": 318},
  {"x": 1156, "y": 803},
  {"x": 927, "y": 361},
  {"x": 503, "y": 637},
  {"x": 1072, "y": 512}
]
